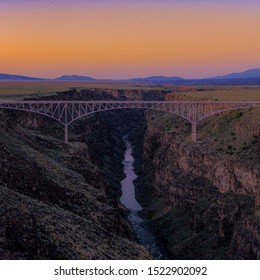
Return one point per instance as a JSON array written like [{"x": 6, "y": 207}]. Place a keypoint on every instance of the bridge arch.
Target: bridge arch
[
  {"x": 104, "y": 110},
  {"x": 34, "y": 112},
  {"x": 194, "y": 128}
]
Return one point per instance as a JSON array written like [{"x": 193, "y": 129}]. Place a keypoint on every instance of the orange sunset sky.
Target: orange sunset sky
[{"x": 113, "y": 39}]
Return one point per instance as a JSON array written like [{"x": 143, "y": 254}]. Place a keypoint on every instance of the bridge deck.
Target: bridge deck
[
  {"x": 67, "y": 112},
  {"x": 122, "y": 102}
]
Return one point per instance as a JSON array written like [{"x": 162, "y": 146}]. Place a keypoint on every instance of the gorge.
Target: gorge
[{"x": 59, "y": 201}]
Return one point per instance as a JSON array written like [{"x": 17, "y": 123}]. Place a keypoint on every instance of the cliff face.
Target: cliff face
[{"x": 208, "y": 191}]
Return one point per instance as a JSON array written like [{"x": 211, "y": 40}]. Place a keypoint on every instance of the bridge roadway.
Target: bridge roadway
[{"x": 67, "y": 112}]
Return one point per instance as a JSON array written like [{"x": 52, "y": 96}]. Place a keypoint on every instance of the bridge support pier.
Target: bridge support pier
[
  {"x": 66, "y": 134},
  {"x": 194, "y": 132}
]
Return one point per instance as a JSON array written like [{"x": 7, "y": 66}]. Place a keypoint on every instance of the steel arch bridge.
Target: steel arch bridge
[{"x": 67, "y": 112}]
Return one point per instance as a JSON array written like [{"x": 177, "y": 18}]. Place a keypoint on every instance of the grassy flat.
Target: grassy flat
[{"x": 223, "y": 93}]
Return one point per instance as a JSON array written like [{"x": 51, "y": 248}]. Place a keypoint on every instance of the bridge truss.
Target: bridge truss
[{"x": 67, "y": 112}]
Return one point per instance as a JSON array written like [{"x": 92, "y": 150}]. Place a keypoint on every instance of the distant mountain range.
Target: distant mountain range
[
  {"x": 156, "y": 79},
  {"x": 7, "y": 77},
  {"x": 74, "y": 78},
  {"x": 252, "y": 73},
  {"x": 249, "y": 74},
  {"x": 86, "y": 78}
]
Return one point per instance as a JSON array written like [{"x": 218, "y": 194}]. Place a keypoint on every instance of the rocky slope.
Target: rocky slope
[
  {"x": 60, "y": 201},
  {"x": 203, "y": 198}
]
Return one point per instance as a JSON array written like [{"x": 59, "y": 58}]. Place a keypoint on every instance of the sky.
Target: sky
[{"x": 129, "y": 38}]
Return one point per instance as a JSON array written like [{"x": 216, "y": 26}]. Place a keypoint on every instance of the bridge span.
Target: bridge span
[{"x": 67, "y": 112}]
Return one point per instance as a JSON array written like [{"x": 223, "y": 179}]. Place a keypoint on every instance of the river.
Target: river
[{"x": 128, "y": 199}]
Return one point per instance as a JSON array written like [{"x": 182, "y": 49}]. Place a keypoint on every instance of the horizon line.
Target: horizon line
[{"x": 126, "y": 78}]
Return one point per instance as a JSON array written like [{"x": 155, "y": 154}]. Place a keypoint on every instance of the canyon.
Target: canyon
[{"x": 202, "y": 200}]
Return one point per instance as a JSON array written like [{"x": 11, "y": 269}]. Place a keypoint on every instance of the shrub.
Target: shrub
[{"x": 230, "y": 147}]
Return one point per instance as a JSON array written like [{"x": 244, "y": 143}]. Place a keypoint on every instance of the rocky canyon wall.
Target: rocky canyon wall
[
  {"x": 203, "y": 198},
  {"x": 61, "y": 201}
]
